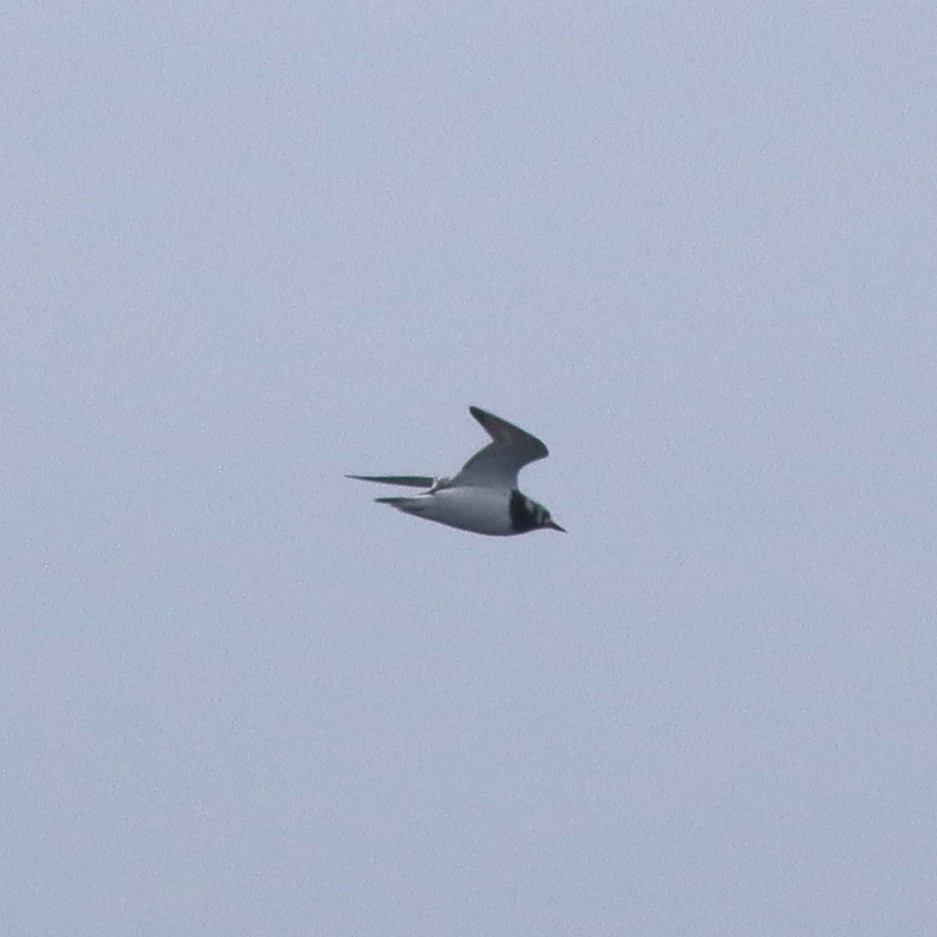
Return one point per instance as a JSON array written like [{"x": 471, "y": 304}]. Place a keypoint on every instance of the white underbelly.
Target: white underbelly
[{"x": 483, "y": 510}]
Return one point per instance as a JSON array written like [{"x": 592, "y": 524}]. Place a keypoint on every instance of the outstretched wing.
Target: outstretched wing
[
  {"x": 497, "y": 465},
  {"x": 411, "y": 481}
]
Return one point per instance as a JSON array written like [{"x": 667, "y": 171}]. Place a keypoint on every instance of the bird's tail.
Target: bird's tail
[{"x": 407, "y": 505}]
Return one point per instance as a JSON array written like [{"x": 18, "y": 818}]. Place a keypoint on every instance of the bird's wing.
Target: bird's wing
[
  {"x": 497, "y": 465},
  {"x": 411, "y": 481}
]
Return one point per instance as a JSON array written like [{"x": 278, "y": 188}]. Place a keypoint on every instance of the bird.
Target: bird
[{"x": 483, "y": 497}]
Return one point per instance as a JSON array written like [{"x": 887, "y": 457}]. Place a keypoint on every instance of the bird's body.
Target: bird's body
[{"x": 483, "y": 497}]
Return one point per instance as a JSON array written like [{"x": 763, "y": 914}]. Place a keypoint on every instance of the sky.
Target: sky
[{"x": 249, "y": 248}]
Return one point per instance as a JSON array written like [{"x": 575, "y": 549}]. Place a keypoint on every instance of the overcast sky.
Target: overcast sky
[{"x": 247, "y": 248}]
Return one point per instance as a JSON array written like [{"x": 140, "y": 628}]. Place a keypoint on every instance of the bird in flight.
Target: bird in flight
[{"x": 483, "y": 497}]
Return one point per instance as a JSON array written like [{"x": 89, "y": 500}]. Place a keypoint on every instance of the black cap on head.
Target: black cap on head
[{"x": 528, "y": 515}]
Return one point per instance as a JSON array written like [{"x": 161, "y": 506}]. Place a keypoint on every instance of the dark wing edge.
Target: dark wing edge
[
  {"x": 501, "y": 431},
  {"x": 410, "y": 481}
]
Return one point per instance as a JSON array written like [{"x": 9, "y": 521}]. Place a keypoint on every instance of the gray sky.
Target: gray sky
[{"x": 248, "y": 248}]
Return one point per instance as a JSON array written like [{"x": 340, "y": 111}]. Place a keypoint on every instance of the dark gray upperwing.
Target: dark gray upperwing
[
  {"x": 497, "y": 465},
  {"x": 410, "y": 481}
]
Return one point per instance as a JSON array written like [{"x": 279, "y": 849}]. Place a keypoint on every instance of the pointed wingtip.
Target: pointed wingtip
[
  {"x": 487, "y": 421},
  {"x": 500, "y": 430},
  {"x": 409, "y": 481}
]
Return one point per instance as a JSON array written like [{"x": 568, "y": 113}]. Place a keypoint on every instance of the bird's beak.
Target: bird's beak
[{"x": 553, "y": 525}]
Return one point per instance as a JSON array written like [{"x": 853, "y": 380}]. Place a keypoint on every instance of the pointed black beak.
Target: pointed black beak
[{"x": 554, "y": 526}]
